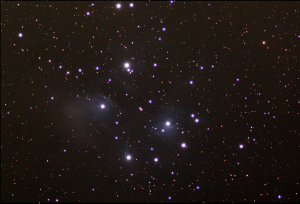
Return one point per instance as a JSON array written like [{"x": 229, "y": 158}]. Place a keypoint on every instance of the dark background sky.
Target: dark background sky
[{"x": 234, "y": 65}]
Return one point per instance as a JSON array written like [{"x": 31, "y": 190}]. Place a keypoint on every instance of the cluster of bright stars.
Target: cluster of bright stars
[
  {"x": 168, "y": 123},
  {"x": 127, "y": 65}
]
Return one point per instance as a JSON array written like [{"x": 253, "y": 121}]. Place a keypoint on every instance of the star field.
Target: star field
[{"x": 150, "y": 101}]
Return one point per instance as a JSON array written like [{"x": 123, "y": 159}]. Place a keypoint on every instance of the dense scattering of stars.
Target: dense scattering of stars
[{"x": 150, "y": 101}]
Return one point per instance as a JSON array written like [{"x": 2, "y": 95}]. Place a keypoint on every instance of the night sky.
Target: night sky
[{"x": 150, "y": 101}]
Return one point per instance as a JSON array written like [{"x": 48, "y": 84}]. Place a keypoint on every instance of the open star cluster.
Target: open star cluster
[{"x": 149, "y": 102}]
